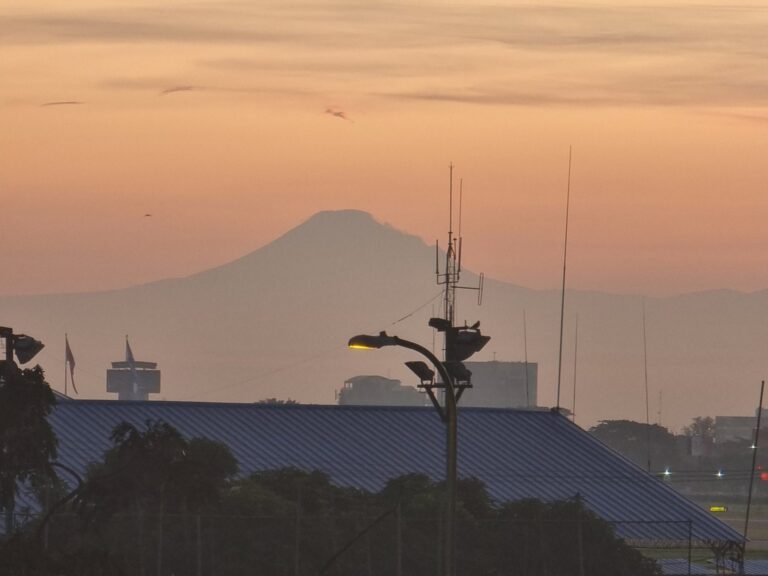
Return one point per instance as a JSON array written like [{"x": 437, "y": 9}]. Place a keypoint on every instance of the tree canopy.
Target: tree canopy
[
  {"x": 159, "y": 503},
  {"x": 642, "y": 443},
  {"x": 27, "y": 441}
]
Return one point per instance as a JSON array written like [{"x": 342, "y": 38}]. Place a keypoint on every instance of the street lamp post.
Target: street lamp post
[{"x": 448, "y": 413}]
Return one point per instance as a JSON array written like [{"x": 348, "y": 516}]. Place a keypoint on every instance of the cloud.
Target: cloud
[
  {"x": 174, "y": 89},
  {"x": 662, "y": 54},
  {"x": 63, "y": 103}
]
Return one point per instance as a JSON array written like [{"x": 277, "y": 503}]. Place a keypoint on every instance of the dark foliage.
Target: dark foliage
[
  {"x": 27, "y": 441},
  {"x": 161, "y": 504},
  {"x": 634, "y": 439}
]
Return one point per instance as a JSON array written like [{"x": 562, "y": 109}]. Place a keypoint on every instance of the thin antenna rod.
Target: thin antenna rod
[
  {"x": 66, "y": 378},
  {"x": 450, "y": 254},
  {"x": 458, "y": 236},
  {"x": 754, "y": 463},
  {"x": 661, "y": 403},
  {"x": 450, "y": 203},
  {"x": 562, "y": 299},
  {"x": 647, "y": 408},
  {"x": 461, "y": 196},
  {"x": 575, "y": 358},
  {"x": 525, "y": 348}
]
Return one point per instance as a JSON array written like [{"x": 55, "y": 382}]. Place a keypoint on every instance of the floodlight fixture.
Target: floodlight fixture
[
  {"x": 26, "y": 347},
  {"x": 422, "y": 371},
  {"x": 463, "y": 342},
  {"x": 459, "y": 372}
]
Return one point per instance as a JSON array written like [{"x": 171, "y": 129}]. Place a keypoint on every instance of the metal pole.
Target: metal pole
[
  {"x": 66, "y": 378},
  {"x": 451, "y": 423},
  {"x": 399, "y": 537},
  {"x": 199, "y": 535},
  {"x": 451, "y": 479},
  {"x": 297, "y": 536},
  {"x": 754, "y": 462},
  {"x": 562, "y": 297},
  {"x": 690, "y": 545},
  {"x": 580, "y": 534}
]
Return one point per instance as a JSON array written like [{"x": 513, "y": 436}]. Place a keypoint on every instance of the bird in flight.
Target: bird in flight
[{"x": 338, "y": 114}]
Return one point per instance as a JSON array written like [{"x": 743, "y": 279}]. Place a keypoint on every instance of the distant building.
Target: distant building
[
  {"x": 133, "y": 380},
  {"x": 732, "y": 428},
  {"x": 378, "y": 391},
  {"x": 494, "y": 385},
  {"x": 502, "y": 385}
]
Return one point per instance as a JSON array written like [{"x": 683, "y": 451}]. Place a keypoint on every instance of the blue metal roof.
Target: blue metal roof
[
  {"x": 516, "y": 453},
  {"x": 681, "y": 567}
]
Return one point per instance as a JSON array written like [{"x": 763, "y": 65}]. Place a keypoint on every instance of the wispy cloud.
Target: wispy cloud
[
  {"x": 62, "y": 103},
  {"x": 175, "y": 89},
  {"x": 575, "y": 54}
]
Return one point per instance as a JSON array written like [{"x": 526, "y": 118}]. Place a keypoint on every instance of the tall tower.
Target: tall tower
[{"x": 133, "y": 379}]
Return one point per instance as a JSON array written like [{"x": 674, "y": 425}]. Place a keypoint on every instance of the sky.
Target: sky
[{"x": 143, "y": 140}]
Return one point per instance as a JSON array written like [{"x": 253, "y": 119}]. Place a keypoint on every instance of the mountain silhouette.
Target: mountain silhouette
[{"x": 275, "y": 322}]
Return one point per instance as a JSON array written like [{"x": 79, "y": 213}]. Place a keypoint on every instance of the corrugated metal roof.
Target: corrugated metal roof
[
  {"x": 516, "y": 453},
  {"x": 680, "y": 567},
  {"x": 751, "y": 567}
]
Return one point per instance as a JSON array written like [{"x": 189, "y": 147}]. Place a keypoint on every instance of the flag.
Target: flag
[
  {"x": 132, "y": 366},
  {"x": 70, "y": 360}
]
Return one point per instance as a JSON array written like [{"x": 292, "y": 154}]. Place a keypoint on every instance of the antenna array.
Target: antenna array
[{"x": 451, "y": 273}]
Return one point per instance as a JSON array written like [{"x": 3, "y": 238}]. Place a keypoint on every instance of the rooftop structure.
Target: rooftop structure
[
  {"x": 502, "y": 385},
  {"x": 516, "y": 453},
  {"x": 378, "y": 391},
  {"x": 133, "y": 379}
]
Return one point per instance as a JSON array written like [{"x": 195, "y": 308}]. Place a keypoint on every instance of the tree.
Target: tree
[
  {"x": 703, "y": 426},
  {"x": 641, "y": 443},
  {"x": 27, "y": 441},
  {"x": 278, "y": 402},
  {"x": 146, "y": 475},
  {"x": 533, "y": 537}
]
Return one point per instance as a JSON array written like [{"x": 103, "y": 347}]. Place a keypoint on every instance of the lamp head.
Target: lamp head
[{"x": 368, "y": 342}]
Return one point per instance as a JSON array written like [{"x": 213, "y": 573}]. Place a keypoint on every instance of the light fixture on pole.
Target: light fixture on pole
[
  {"x": 461, "y": 343},
  {"x": 24, "y": 347}
]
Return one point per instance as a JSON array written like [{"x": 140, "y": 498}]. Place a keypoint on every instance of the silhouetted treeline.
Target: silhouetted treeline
[{"x": 159, "y": 504}]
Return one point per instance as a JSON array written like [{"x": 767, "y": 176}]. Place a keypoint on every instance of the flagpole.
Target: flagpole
[{"x": 66, "y": 380}]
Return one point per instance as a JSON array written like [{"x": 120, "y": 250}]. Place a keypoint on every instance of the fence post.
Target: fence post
[
  {"x": 297, "y": 537},
  {"x": 399, "y": 537},
  {"x": 198, "y": 526},
  {"x": 690, "y": 545}
]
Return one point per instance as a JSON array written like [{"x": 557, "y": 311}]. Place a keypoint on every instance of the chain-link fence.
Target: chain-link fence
[{"x": 367, "y": 543}]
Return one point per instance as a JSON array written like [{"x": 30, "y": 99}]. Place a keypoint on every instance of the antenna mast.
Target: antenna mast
[
  {"x": 452, "y": 271},
  {"x": 647, "y": 409},
  {"x": 575, "y": 358},
  {"x": 562, "y": 300},
  {"x": 525, "y": 348},
  {"x": 451, "y": 275}
]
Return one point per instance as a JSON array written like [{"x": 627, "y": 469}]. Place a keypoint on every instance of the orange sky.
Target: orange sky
[{"x": 211, "y": 116}]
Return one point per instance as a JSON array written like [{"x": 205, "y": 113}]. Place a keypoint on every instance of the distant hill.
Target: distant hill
[{"x": 274, "y": 324}]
